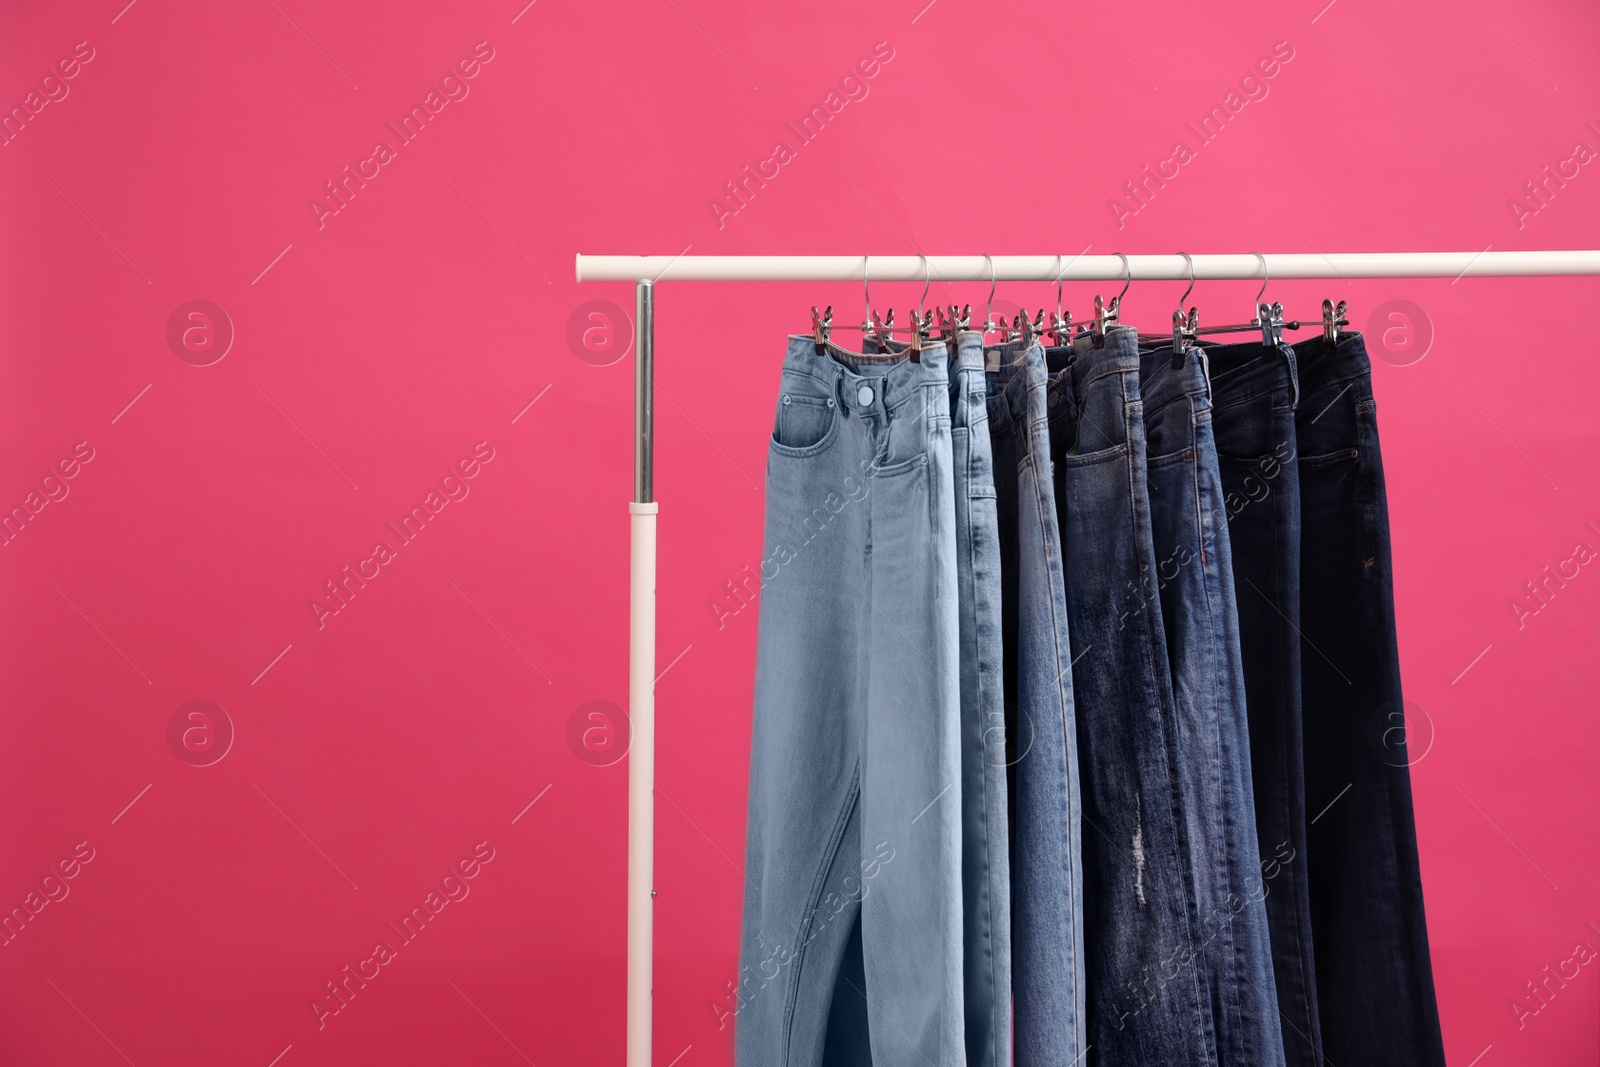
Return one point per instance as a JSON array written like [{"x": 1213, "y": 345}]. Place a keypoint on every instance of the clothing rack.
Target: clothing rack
[{"x": 646, "y": 271}]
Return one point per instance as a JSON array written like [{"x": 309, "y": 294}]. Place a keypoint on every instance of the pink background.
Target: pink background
[{"x": 374, "y": 351}]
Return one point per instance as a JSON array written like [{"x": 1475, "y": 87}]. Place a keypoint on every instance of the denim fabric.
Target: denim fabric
[
  {"x": 1374, "y": 976},
  {"x": 1146, "y": 998},
  {"x": 985, "y": 845},
  {"x": 1194, "y": 573},
  {"x": 1254, "y": 390},
  {"x": 855, "y": 764},
  {"x": 985, "y": 848},
  {"x": 1040, "y": 724}
]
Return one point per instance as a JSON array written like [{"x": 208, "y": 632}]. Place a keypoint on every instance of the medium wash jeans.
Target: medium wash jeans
[
  {"x": 854, "y": 824},
  {"x": 1254, "y": 392},
  {"x": 1194, "y": 574},
  {"x": 1374, "y": 975},
  {"x": 985, "y": 837},
  {"x": 1147, "y": 998},
  {"x": 1040, "y": 723}
]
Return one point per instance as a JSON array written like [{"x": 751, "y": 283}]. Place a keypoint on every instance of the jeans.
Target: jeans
[
  {"x": 985, "y": 848},
  {"x": 1146, "y": 996},
  {"x": 1374, "y": 976},
  {"x": 1194, "y": 574},
  {"x": 1040, "y": 724},
  {"x": 854, "y": 824},
  {"x": 1254, "y": 393}
]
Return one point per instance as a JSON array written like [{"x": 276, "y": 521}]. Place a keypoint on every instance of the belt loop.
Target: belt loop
[{"x": 1294, "y": 375}]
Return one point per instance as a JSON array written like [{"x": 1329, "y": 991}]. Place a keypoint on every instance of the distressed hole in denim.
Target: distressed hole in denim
[{"x": 1138, "y": 847}]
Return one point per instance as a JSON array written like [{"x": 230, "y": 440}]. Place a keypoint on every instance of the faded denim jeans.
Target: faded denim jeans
[
  {"x": 854, "y": 823},
  {"x": 1147, "y": 997}
]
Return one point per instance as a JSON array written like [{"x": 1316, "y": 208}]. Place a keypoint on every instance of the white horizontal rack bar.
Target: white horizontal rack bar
[{"x": 1083, "y": 268}]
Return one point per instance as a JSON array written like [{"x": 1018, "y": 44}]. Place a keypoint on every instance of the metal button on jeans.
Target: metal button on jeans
[{"x": 864, "y": 395}]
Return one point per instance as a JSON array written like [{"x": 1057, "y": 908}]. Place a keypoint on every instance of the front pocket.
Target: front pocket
[
  {"x": 1329, "y": 459},
  {"x": 804, "y": 424},
  {"x": 1091, "y": 458},
  {"x": 1172, "y": 457}
]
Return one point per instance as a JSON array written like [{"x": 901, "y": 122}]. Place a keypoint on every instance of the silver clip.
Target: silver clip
[{"x": 1333, "y": 318}]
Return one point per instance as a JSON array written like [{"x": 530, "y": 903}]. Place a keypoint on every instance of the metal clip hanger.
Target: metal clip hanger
[
  {"x": 1108, "y": 315},
  {"x": 1185, "y": 329},
  {"x": 989, "y": 323},
  {"x": 1061, "y": 321},
  {"x": 1024, "y": 331},
  {"x": 821, "y": 323},
  {"x": 1333, "y": 318},
  {"x": 1268, "y": 317},
  {"x": 920, "y": 323}
]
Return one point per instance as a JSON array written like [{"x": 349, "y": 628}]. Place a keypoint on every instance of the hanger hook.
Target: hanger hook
[
  {"x": 1127, "y": 269},
  {"x": 1060, "y": 269},
  {"x": 1264, "y": 280},
  {"x": 923, "y": 298},
  {"x": 988, "y": 312},
  {"x": 1189, "y": 260},
  {"x": 866, "y": 288}
]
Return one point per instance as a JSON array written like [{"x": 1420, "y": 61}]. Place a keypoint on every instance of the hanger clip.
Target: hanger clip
[
  {"x": 1105, "y": 316},
  {"x": 1061, "y": 328},
  {"x": 821, "y": 323},
  {"x": 1270, "y": 318},
  {"x": 919, "y": 337},
  {"x": 1185, "y": 330},
  {"x": 1332, "y": 319}
]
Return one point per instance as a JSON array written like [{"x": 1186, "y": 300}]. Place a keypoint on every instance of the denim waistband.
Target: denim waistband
[
  {"x": 1160, "y": 382},
  {"x": 891, "y": 379},
  {"x": 1323, "y": 364},
  {"x": 1249, "y": 369},
  {"x": 1118, "y": 355},
  {"x": 1009, "y": 402}
]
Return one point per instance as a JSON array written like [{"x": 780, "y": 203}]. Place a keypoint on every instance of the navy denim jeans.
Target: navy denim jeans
[
  {"x": 1146, "y": 998},
  {"x": 1253, "y": 394},
  {"x": 1374, "y": 976},
  {"x": 1194, "y": 573},
  {"x": 1041, "y": 726}
]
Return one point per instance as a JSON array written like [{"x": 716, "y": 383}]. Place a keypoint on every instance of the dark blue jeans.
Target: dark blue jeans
[
  {"x": 1194, "y": 573},
  {"x": 1374, "y": 976},
  {"x": 1147, "y": 999},
  {"x": 1040, "y": 724},
  {"x": 1254, "y": 391}
]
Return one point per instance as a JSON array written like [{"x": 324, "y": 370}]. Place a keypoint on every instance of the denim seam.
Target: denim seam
[
  {"x": 1301, "y": 939},
  {"x": 1166, "y": 717},
  {"x": 1068, "y": 720},
  {"x": 983, "y": 776},
  {"x": 813, "y": 899}
]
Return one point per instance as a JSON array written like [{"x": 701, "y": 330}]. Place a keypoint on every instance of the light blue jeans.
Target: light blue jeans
[{"x": 855, "y": 765}]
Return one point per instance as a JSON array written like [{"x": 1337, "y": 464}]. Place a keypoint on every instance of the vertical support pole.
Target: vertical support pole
[{"x": 641, "y": 685}]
